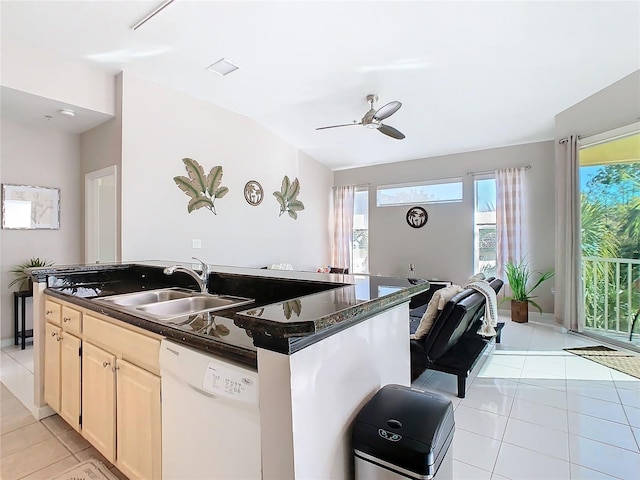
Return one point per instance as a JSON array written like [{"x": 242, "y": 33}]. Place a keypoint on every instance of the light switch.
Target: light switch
[{"x": 197, "y": 243}]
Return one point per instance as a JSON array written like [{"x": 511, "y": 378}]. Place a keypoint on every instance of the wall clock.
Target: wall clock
[
  {"x": 253, "y": 193},
  {"x": 417, "y": 217}
]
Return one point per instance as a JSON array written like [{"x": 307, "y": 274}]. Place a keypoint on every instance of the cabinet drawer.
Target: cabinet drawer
[
  {"x": 52, "y": 312},
  {"x": 71, "y": 319},
  {"x": 126, "y": 344}
]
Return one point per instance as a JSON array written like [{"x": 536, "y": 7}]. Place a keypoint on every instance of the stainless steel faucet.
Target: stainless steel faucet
[{"x": 202, "y": 279}]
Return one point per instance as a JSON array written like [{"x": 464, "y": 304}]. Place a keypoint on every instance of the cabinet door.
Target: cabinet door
[
  {"x": 71, "y": 320},
  {"x": 99, "y": 399},
  {"x": 52, "y": 366},
  {"x": 139, "y": 422},
  {"x": 70, "y": 371},
  {"x": 52, "y": 311}
]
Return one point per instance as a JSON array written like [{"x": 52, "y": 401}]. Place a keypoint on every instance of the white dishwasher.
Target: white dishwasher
[{"x": 210, "y": 416}]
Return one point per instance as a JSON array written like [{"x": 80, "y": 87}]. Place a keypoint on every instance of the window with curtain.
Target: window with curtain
[
  {"x": 350, "y": 247},
  {"x": 485, "y": 247},
  {"x": 360, "y": 252},
  {"x": 511, "y": 217}
]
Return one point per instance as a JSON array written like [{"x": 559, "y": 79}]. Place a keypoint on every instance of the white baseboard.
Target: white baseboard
[
  {"x": 547, "y": 319},
  {"x": 7, "y": 342}
]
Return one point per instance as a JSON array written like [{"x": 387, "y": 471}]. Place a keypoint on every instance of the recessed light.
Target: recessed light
[
  {"x": 223, "y": 67},
  {"x": 67, "y": 111}
]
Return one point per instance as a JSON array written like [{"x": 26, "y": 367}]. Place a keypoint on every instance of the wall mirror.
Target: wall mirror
[{"x": 25, "y": 207}]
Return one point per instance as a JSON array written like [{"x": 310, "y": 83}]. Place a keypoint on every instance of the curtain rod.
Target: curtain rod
[
  {"x": 358, "y": 185},
  {"x": 566, "y": 139},
  {"x": 527, "y": 167}
]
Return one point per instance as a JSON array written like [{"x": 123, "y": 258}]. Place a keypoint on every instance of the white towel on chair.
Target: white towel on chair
[{"x": 490, "y": 320}]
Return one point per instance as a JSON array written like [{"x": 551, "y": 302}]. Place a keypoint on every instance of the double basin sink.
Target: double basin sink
[{"x": 167, "y": 303}]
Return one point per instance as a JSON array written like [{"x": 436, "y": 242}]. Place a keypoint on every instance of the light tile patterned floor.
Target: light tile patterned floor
[
  {"x": 33, "y": 450},
  {"x": 534, "y": 411}
]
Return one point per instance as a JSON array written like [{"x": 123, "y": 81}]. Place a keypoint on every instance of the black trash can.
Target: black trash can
[{"x": 403, "y": 433}]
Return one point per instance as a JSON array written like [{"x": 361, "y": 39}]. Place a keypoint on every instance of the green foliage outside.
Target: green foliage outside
[{"x": 610, "y": 216}]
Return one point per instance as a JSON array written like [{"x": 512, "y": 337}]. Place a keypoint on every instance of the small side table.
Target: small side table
[{"x": 23, "y": 333}]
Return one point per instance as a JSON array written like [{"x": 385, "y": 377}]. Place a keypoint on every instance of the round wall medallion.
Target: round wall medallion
[
  {"x": 417, "y": 217},
  {"x": 253, "y": 193}
]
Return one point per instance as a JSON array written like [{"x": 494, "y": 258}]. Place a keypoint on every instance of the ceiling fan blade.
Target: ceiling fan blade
[
  {"x": 387, "y": 110},
  {"x": 336, "y": 126},
  {"x": 392, "y": 132}
]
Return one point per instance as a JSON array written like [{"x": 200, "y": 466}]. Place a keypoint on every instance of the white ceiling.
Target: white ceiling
[{"x": 470, "y": 75}]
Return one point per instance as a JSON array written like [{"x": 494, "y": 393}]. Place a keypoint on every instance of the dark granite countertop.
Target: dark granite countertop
[{"x": 291, "y": 309}]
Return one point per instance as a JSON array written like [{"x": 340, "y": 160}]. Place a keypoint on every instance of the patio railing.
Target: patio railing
[{"x": 611, "y": 292}]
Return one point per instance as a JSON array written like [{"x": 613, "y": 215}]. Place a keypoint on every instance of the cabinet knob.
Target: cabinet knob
[
  {"x": 106, "y": 364},
  {"x": 48, "y": 312},
  {"x": 53, "y": 334},
  {"x": 66, "y": 319},
  {"x": 58, "y": 338}
]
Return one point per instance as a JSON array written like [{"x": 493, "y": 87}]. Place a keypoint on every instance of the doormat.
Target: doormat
[
  {"x": 88, "y": 470},
  {"x": 609, "y": 357}
]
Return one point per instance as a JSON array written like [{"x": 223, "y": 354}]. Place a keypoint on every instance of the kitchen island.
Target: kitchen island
[{"x": 322, "y": 345}]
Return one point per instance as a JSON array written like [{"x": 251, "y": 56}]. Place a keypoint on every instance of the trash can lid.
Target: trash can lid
[{"x": 422, "y": 416}]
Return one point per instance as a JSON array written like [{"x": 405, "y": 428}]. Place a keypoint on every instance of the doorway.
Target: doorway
[
  {"x": 101, "y": 216},
  {"x": 610, "y": 234}
]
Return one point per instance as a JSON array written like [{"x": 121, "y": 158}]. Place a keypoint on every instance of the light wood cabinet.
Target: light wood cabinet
[
  {"x": 136, "y": 421},
  {"x": 71, "y": 320},
  {"x": 70, "y": 379},
  {"x": 103, "y": 377},
  {"x": 139, "y": 429},
  {"x": 52, "y": 365},
  {"x": 99, "y": 399},
  {"x": 62, "y": 369}
]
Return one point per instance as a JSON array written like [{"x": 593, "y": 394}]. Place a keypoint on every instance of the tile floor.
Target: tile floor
[
  {"x": 532, "y": 411},
  {"x": 29, "y": 449}
]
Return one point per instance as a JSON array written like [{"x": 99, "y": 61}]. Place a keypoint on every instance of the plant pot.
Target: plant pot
[{"x": 519, "y": 311}]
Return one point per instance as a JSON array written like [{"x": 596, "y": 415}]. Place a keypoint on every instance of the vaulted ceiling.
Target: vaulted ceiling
[{"x": 470, "y": 75}]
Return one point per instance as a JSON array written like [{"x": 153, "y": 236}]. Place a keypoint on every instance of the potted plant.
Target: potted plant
[
  {"x": 519, "y": 276},
  {"x": 22, "y": 278}
]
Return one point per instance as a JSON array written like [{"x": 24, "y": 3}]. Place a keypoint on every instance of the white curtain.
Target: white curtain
[
  {"x": 343, "y": 227},
  {"x": 568, "y": 305},
  {"x": 512, "y": 227}
]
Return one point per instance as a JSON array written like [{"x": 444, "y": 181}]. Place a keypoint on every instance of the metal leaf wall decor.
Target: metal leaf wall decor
[
  {"x": 287, "y": 197},
  {"x": 202, "y": 189}
]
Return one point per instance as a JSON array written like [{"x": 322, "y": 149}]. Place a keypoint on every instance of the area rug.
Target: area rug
[
  {"x": 88, "y": 470},
  {"x": 609, "y": 357}
]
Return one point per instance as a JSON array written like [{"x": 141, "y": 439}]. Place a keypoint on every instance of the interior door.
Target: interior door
[{"x": 101, "y": 216}]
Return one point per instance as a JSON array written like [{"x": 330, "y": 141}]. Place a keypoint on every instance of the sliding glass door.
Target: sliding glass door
[{"x": 610, "y": 235}]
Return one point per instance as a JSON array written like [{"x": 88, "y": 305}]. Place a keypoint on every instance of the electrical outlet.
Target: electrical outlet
[{"x": 197, "y": 243}]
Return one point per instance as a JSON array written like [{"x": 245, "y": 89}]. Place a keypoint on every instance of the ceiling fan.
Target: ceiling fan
[{"x": 373, "y": 118}]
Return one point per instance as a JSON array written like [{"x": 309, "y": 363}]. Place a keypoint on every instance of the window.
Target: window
[
  {"x": 438, "y": 191},
  {"x": 485, "y": 247},
  {"x": 360, "y": 250}
]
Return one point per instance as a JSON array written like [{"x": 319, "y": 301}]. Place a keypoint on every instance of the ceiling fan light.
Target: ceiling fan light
[{"x": 372, "y": 125}]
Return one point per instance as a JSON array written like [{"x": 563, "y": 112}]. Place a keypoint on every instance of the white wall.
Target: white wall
[
  {"x": 48, "y": 75},
  {"x": 48, "y": 158},
  {"x": 160, "y": 126},
  {"x": 444, "y": 247},
  {"x": 612, "y": 107},
  {"x": 101, "y": 147}
]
